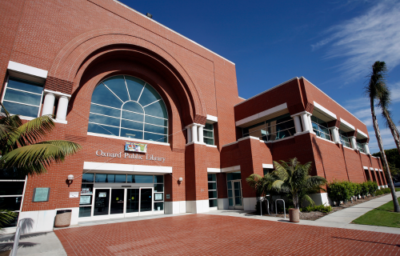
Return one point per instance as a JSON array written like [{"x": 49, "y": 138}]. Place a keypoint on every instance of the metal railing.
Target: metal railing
[{"x": 322, "y": 131}]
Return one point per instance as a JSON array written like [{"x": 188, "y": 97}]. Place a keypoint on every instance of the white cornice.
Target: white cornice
[
  {"x": 324, "y": 110},
  {"x": 262, "y": 114}
]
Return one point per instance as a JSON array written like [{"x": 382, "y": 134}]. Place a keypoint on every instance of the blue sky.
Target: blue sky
[{"x": 332, "y": 43}]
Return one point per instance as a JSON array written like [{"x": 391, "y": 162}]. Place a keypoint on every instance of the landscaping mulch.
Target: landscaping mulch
[{"x": 317, "y": 215}]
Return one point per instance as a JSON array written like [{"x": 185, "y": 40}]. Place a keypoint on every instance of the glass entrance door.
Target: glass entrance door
[
  {"x": 146, "y": 199},
  {"x": 117, "y": 201},
  {"x": 101, "y": 202},
  {"x": 132, "y": 202},
  {"x": 235, "y": 194}
]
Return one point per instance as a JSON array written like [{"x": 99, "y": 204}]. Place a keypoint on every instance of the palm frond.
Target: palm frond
[
  {"x": 308, "y": 199},
  {"x": 6, "y": 217},
  {"x": 281, "y": 170},
  {"x": 35, "y": 159},
  {"x": 34, "y": 130},
  {"x": 68, "y": 147}
]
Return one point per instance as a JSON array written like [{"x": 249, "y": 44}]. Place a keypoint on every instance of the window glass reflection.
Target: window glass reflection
[{"x": 122, "y": 104}]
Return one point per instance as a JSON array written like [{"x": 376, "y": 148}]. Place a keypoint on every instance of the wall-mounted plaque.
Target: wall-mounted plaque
[
  {"x": 135, "y": 147},
  {"x": 158, "y": 197},
  {"x": 168, "y": 196},
  {"x": 85, "y": 200},
  {"x": 73, "y": 194},
  {"x": 41, "y": 195}
]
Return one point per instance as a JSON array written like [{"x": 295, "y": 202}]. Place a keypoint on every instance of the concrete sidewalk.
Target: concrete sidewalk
[
  {"x": 349, "y": 214},
  {"x": 35, "y": 244},
  {"x": 340, "y": 219}
]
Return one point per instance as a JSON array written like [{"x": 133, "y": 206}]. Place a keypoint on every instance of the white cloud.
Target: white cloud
[{"x": 372, "y": 36}]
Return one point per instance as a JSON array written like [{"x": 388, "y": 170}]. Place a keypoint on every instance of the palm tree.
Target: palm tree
[
  {"x": 24, "y": 151},
  {"x": 262, "y": 185},
  {"x": 293, "y": 178},
  {"x": 377, "y": 90}
]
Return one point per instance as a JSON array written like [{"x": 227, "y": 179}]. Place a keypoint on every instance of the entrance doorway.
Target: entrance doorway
[
  {"x": 235, "y": 194},
  {"x": 122, "y": 202}
]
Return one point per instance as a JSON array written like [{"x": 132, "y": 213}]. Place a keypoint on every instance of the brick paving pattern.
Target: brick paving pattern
[{"x": 222, "y": 235}]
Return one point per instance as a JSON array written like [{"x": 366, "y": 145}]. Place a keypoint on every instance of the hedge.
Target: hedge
[{"x": 345, "y": 190}]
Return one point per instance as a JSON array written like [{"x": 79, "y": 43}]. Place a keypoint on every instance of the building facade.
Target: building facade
[{"x": 161, "y": 125}]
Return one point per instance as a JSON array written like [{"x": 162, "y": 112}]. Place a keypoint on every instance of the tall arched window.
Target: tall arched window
[{"x": 126, "y": 106}]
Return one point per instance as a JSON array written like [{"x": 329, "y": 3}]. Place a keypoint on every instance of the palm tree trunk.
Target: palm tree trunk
[
  {"x": 393, "y": 128},
  {"x": 296, "y": 201},
  {"x": 384, "y": 159}
]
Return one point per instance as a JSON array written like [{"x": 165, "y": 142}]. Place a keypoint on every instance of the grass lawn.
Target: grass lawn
[{"x": 381, "y": 216}]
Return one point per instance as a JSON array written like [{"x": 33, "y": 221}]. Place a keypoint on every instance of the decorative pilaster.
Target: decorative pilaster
[
  {"x": 195, "y": 133},
  {"x": 335, "y": 134},
  {"x": 353, "y": 142},
  {"x": 366, "y": 149},
  {"x": 48, "y": 104},
  {"x": 62, "y": 108},
  {"x": 297, "y": 123}
]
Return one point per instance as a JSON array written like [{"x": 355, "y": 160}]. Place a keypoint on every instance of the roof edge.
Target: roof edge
[
  {"x": 333, "y": 100},
  {"x": 267, "y": 90},
  {"x": 124, "y": 5}
]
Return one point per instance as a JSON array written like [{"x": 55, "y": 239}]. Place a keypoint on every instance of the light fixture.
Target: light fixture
[
  {"x": 70, "y": 179},
  {"x": 180, "y": 179}
]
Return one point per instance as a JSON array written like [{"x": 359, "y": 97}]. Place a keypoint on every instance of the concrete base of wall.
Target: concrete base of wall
[
  {"x": 223, "y": 204},
  {"x": 42, "y": 221},
  {"x": 175, "y": 207},
  {"x": 249, "y": 203},
  {"x": 197, "y": 206},
  {"x": 320, "y": 198}
]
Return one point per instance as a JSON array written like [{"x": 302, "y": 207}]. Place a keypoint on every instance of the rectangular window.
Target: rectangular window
[
  {"x": 360, "y": 147},
  {"x": 273, "y": 129},
  {"x": 344, "y": 139},
  {"x": 208, "y": 134},
  {"x": 22, "y": 97},
  {"x": 320, "y": 128},
  {"x": 11, "y": 194},
  {"x": 212, "y": 190}
]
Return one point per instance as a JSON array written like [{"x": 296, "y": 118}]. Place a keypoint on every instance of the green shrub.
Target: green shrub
[
  {"x": 372, "y": 187},
  {"x": 379, "y": 192},
  {"x": 364, "y": 188},
  {"x": 317, "y": 208},
  {"x": 340, "y": 191},
  {"x": 358, "y": 188}
]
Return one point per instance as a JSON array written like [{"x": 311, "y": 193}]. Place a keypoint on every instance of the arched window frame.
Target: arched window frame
[{"x": 121, "y": 110}]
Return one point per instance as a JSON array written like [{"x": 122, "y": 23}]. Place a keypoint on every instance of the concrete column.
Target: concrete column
[
  {"x": 335, "y": 134},
  {"x": 189, "y": 134},
  {"x": 201, "y": 139},
  {"x": 366, "y": 148},
  {"x": 297, "y": 124},
  {"x": 353, "y": 142},
  {"x": 62, "y": 108},
  {"x": 309, "y": 121},
  {"x": 195, "y": 138},
  {"x": 305, "y": 118},
  {"x": 48, "y": 104}
]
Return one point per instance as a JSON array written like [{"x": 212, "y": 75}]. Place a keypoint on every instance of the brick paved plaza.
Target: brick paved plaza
[{"x": 209, "y": 234}]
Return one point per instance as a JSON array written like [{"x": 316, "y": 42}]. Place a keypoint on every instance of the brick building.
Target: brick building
[{"x": 158, "y": 116}]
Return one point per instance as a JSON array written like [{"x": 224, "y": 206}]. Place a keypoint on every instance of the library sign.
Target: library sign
[{"x": 132, "y": 147}]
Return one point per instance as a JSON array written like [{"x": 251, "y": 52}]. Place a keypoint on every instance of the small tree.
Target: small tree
[{"x": 293, "y": 178}]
